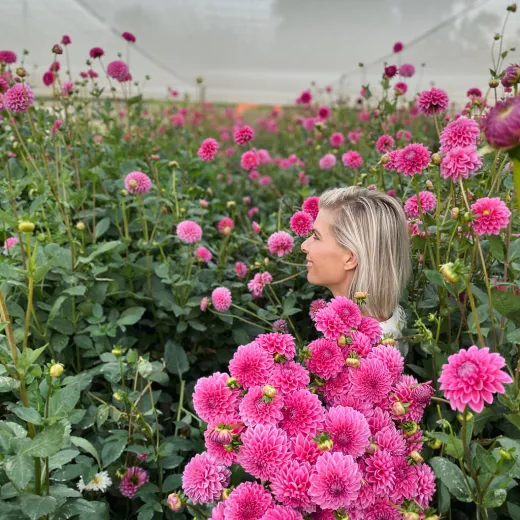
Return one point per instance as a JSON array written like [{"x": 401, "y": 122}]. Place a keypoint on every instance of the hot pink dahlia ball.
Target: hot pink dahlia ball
[
  {"x": 347, "y": 310},
  {"x": 336, "y": 139},
  {"x": 406, "y": 70},
  {"x": 434, "y": 101},
  {"x": 282, "y": 513},
  {"x": 471, "y": 377},
  {"x": 460, "y": 163},
  {"x": 18, "y": 98},
  {"x": 225, "y": 225},
  {"x": 491, "y": 215},
  {"x": 326, "y": 359},
  {"x": 290, "y": 485},
  {"x": 249, "y": 501},
  {"x": 7, "y": 57},
  {"x": 251, "y": 365},
  {"x": 379, "y": 472},
  {"x": 138, "y": 182},
  {"x": 370, "y": 327},
  {"x": 264, "y": 449},
  {"x": 221, "y": 299},
  {"x": 277, "y": 343},
  {"x": 204, "y": 479},
  {"x": 425, "y": 484},
  {"x": 371, "y": 381},
  {"x": 385, "y": 144},
  {"x": 330, "y": 323},
  {"x": 348, "y": 429},
  {"x": 204, "y": 254},
  {"x": 327, "y": 162},
  {"x": 352, "y": 159},
  {"x": 244, "y": 134},
  {"x": 413, "y": 159},
  {"x": 134, "y": 478},
  {"x": 249, "y": 160},
  {"x": 336, "y": 481},
  {"x": 461, "y": 132},
  {"x": 428, "y": 203},
  {"x": 391, "y": 358},
  {"x": 302, "y": 413},
  {"x": 311, "y": 206},
  {"x": 303, "y": 448},
  {"x": 208, "y": 149},
  {"x": 280, "y": 243},
  {"x": 118, "y": 70},
  {"x": 213, "y": 400},
  {"x": 290, "y": 376},
  {"x": 189, "y": 232},
  {"x": 10, "y": 242},
  {"x": 301, "y": 223},
  {"x": 255, "y": 408}
]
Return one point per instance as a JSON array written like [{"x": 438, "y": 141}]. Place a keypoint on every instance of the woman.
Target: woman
[{"x": 360, "y": 243}]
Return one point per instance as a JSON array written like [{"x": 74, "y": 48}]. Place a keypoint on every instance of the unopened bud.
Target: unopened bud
[
  {"x": 448, "y": 273},
  {"x": 388, "y": 341},
  {"x": 116, "y": 351},
  {"x": 385, "y": 159},
  {"x": 266, "y": 261},
  {"x": 398, "y": 408},
  {"x": 20, "y": 71},
  {"x": 325, "y": 445},
  {"x": 279, "y": 358},
  {"x": 230, "y": 204},
  {"x": 56, "y": 370},
  {"x": 124, "y": 193},
  {"x": 173, "y": 164},
  {"x": 232, "y": 382},
  {"x": 26, "y": 227},
  {"x": 118, "y": 396},
  {"x": 372, "y": 448},
  {"x": 493, "y": 83},
  {"x": 199, "y": 80},
  {"x": 436, "y": 158},
  {"x": 80, "y": 226},
  {"x": 352, "y": 362},
  {"x": 409, "y": 428},
  {"x": 416, "y": 456},
  {"x": 505, "y": 455},
  {"x": 429, "y": 184},
  {"x": 410, "y": 515},
  {"x": 225, "y": 493},
  {"x": 468, "y": 415},
  {"x": 433, "y": 517},
  {"x": 174, "y": 502},
  {"x": 56, "y": 49},
  {"x": 269, "y": 391},
  {"x": 342, "y": 340},
  {"x": 435, "y": 444},
  {"x": 511, "y": 8},
  {"x": 455, "y": 212},
  {"x": 360, "y": 295},
  {"x": 221, "y": 435}
]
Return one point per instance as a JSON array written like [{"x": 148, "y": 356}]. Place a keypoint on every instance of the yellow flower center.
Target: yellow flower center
[{"x": 486, "y": 212}]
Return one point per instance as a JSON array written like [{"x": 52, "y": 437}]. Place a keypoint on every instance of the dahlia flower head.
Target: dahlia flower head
[
  {"x": 460, "y": 163},
  {"x": 461, "y": 132},
  {"x": 280, "y": 243},
  {"x": 189, "y": 232},
  {"x": 502, "y": 124},
  {"x": 427, "y": 200},
  {"x": 18, "y": 98},
  {"x": 138, "y": 183},
  {"x": 434, "y": 101},
  {"x": 491, "y": 215},
  {"x": 118, "y": 70}
]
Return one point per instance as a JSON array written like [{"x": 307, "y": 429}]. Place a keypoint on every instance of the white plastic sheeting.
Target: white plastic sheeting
[{"x": 266, "y": 50}]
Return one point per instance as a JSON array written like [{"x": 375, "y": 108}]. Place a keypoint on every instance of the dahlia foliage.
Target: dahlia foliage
[{"x": 330, "y": 428}]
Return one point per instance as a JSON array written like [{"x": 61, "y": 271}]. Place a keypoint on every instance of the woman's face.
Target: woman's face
[{"x": 328, "y": 263}]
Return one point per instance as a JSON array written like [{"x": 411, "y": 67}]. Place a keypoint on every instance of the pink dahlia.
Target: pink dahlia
[
  {"x": 379, "y": 420},
  {"x": 491, "y": 215},
  {"x": 385, "y": 144},
  {"x": 302, "y": 413},
  {"x": 118, "y": 70},
  {"x": 96, "y": 52},
  {"x": 256, "y": 408},
  {"x": 189, "y": 232},
  {"x": 18, "y": 98},
  {"x": 301, "y": 223},
  {"x": 392, "y": 163},
  {"x": 371, "y": 381},
  {"x": 7, "y": 57},
  {"x": 303, "y": 448},
  {"x": 326, "y": 358},
  {"x": 290, "y": 485},
  {"x": 280, "y": 243},
  {"x": 471, "y": 377},
  {"x": 336, "y": 139},
  {"x": 327, "y": 162},
  {"x": 10, "y": 242},
  {"x": 352, "y": 159},
  {"x": 347, "y": 310},
  {"x": 390, "y": 71},
  {"x": 240, "y": 270},
  {"x": 280, "y": 326},
  {"x": 138, "y": 183},
  {"x": 225, "y": 225},
  {"x": 219, "y": 511},
  {"x": 406, "y": 70},
  {"x": 264, "y": 449},
  {"x": 243, "y": 135},
  {"x": 361, "y": 344},
  {"x": 405, "y": 480},
  {"x": 282, "y": 513},
  {"x": 336, "y": 481},
  {"x": 65, "y": 40},
  {"x": 288, "y": 377},
  {"x": 219, "y": 451},
  {"x": 348, "y": 429},
  {"x": 249, "y": 160},
  {"x": 67, "y": 88},
  {"x": 251, "y": 365},
  {"x": 413, "y": 159},
  {"x": 221, "y": 299},
  {"x": 337, "y": 386},
  {"x": 134, "y": 478},
  {"x": 315, "y": 306},
  {"x": 311, "y": 205},
  {"x": 213, "y": 400},
  {"x": 208, "y": 149},
  {"x": 391, "y": 358},
  {"x": 425, "y": 484},
  {"x": 460, "y": 163},
  {"x": 400, "y": 88},
  {"x": 248, "y": 501},
  {"x": 398, "y": 47},
  {"x": 204, "y": 479},
  {"x": 428, "y": 203},
  {"x": 129, "y": 37},
  {"x": 324, "y": 113},
  {"x": 204, "y": 254},
  {"x": 391, "y": 440},
  {"x": 460, "y": 132},
  {"x": 204, "y": 302},
  {"x": 330, "y": 323},
  {"x": 276, "y": 343},
  {"x": 346, "y": 399},
  {"x": 434, "y": 101},
  {"x": 381, "y": 510},
  {"x": 502, "y": 124},
  {"x": 379, "y": 472}
]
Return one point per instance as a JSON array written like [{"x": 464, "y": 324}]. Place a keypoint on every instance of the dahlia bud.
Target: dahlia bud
[
  {"x": 118, "y": 396},
  {"x": 231, "y": 204},
  {"x": 225, "y": 493},
  {"x": 203, "y": 203},
  {"x": 319, "y": 125},
  {"x": 26, "y": 227},
  {"x": 409, "y": 515},
  {"x": 221, "y": 435},
  {"x": 200, "y": 79},
  {"x": 269, "y": 391},
  {"x": 505, "y": 455},
  {"x": 398, "y": 408},
  {"x": 56, "y": 49},
  {"x": 468, "y": 415},
  {"x": 429, "y": 184},
  {"x": 341, "y": 515},
  {"x": 493, "y": 83},
  {"x": 232, "y": 382},
  {"x": 360, "y": 296},
  {"x": 511, "y": 8},
  {"x": 124, "y": 193},
  {"x": 173, "y": 164},
  {"x": 279, "y": 358},
  {"x": 409, "y": 428},
  {"x": 449, "y": 274},
  {"x": 266, "y": 261},
  {"x": 435, "y": 444},
  {"x": 455, "y": 212},
  {"x": 80, "y": 226},
  {"x": 385, "y": 159},
  {"x": 389, "y": 341},
  {"x": 56, "y": 370},
  {"x": 116, "y": 351},
  {"x": 468, "y": 217},
  {"x": 342, "y": 340},
  {"x": 209, "y": 191},
  {"x": 433, "y": 517},
  {"x": 436, "y": 158},
  {"x": 416, "y": 456},
  {"x": 372, "y": 448},
  {"x": 20, "y": 71},
  {"x": 352, "y": 362},
  {"x": 174, "y": 502},
  {"x": 325, "y": 445},
  {"x": 120, "y": 473}
]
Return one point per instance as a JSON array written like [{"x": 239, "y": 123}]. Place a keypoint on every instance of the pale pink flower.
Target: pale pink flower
[
  {"x": 280, "y": 243},
  {"x": 10, "y": 242},
  {"x": 189, "y": 232},
  {"x": 18, "y": 98},
  {"x": 225, "y": 225},
  {"x": 460, "y": 163},
  {"x": 138, "y": 183},
  {"x": 240, "y": 270},
  {"x": 221, "y": 299}
]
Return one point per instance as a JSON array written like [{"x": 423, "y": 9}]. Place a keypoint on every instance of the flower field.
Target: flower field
[{"x": 162, "y": 352}]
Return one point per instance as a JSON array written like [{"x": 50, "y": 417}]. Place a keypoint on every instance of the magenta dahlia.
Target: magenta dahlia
[
  {"x": 243, "y": 135},
  {"x": 134, "y": 478},
  {"x": 241, "y": 270},
  {"x": 330, "y": 323},
  {"x": 352, "y": 159},
  {"x": 371, "y": 381},
  {"x": 491, "y": 215},
  {"x": 413, "y": 159},
  {"x": 204, "y": 254},
  {"x": 225, "y": 225},
  {"x": 282, "y": 513},
  {"x": 460, "y": 132},
  {"x": 460, "y": 163},
  {"x": 208, "y": 149},
  {"x": 213, "y": 400},
  {"x": 348, "y": 429},
  {"x": 347, "y": 310},
  {"x": 379, "y": 472},
  {"x": 406, "y": 70},
  {"x": 189, "y": 232},
  {"x": 248, "y": 501},
  {"x": 304, "y": 448},
  {"x": 428, "y": 203},
  {"x": 251, "y": 365},
  {"x": 327, "y": 162},
  {"x": 129, "y": 37},
  {"x": 371, "y": 328},
  {"x": 325, "y": 358},
  {"x": 385, "y": 144},
  {"x": 434, "y": 101},
  {"x": 280, "y": 243},
  {"x": 249, "y": 160},
  {"x": 311, "y": 205},
  {"x": 425, "y": 478},
  {"x": 257, "y": 408},
  {"x": 277, "y": 343},
  {"x": 138, "y": 183},
  {"x": 7, "y": 57},
  {"x": 288, "y": 377},
  {"x": 302, "y": 413},
  {"x": 391, "y": 440},
  {"x": 502, "y": 124},
  {"x": 391, "y": 358},
  {"x": 336, "y": 139},
  {"x": 118, "y": 70},
  {"x": 301, "y": 223},
  {"x": 290, "y": 485}
]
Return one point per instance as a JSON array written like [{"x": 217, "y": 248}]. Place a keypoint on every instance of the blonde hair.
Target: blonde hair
[{"x": 373, "y": 226}]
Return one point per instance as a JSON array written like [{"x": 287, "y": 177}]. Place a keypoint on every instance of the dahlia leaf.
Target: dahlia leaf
[{"x": 451, "y": 476}]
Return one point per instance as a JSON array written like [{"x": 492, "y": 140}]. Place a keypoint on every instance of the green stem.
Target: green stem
[
  {"x": 474, "y": 311},
  {"x": 516, "y": 179}
]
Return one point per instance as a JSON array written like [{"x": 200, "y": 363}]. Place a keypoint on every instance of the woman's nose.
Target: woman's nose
[{"x": 302, "y": 247}]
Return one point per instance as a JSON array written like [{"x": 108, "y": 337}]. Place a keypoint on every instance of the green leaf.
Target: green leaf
[
  {"x": 454, "y": 446},
  {"x": 131, "y": 316},
  {"x": 494, "y": 497},
  {"x": 61, "y": 458},
  {"x": 172, "y": 482},
  {"x": 102, "y": 227},
  {"x": 451, "y": 476},
  {"x": 103, "y": 248},
  {"x": 513, "y": 510},
  {"x": 112, "y": 450},
  {"x": 35, "y": 506},
  {"x": 78, "y": 290},
  {"x": 102, "y": 415},
  {"x": 19, "y": 469},
  {"x": 64, "y": 400},
  {"x": 434, "y": 277},
  {"x": 497, "y": 247},
  {"x": 26, "y": 414},
  {"x": 513, "y": 418},
  {"x": 507, "y": 304},
  {"x": 27, "y": 358},
  {"x": 8, "y": 384},
  {"x": 62, "y": 491},
  {"x": 48, "y": 442},
  {"x": 483, "y": 459},
  {"x": 80, "y": 442},
  {"x": 176, "y": 359}
]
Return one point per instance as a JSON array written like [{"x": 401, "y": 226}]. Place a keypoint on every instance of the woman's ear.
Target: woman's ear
[{"x": 350, "y": 261}]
